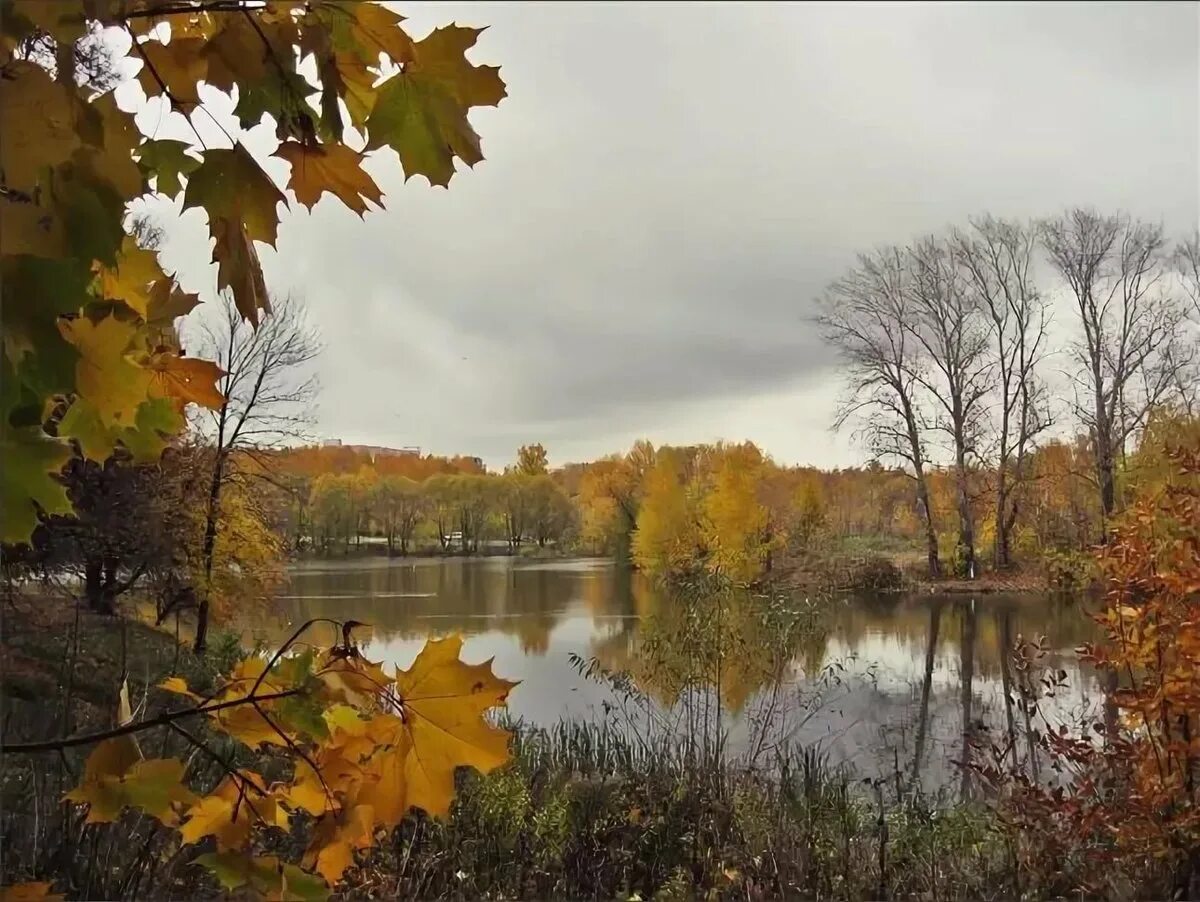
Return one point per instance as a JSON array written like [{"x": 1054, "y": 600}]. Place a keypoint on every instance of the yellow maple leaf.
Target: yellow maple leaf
[
  {"x": 133, "y": 276},
  {"x": 354, "y": 679},
  {"x": 104, "y": 374},
  {"x": 213, "y": 816},
  {"x": 329, "y": 167},
  {"x": 178, "y": 685},
  {"x": 444, "y": 701},
  {"x": 337, "y": 835}
]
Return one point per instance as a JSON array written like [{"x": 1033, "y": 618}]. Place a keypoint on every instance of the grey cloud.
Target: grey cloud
[{"x": 668, "y": 188}]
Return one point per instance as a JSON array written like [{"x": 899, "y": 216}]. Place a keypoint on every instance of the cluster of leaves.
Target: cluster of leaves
[
  {"x": 90, "y": 350},
  {"x": 1127, "y": 797},
  {"x": 360, "y": 748}
]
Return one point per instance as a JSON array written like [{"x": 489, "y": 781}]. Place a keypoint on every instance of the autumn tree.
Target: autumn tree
[
  {"x": 266, "y": 396},
  {"x": 667, "y": 538},
  {"x": 866, "y": 316},
  {"x": 440, "y": 493},
  {"x": 399, "y": 506},
  {"x": 997, "y": 258},
  {"x": 1128, "y": 352},
  {"x": 734, "y": 521},
  {"x": 531, "y": 460},
  {"x": 332, "y": 509},
  {"x": 551, "y": 513}
]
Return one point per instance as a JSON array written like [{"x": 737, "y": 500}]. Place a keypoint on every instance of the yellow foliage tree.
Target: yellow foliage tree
[
  {"x": 667, "y": 539},
  {"x": 735, "y": 522}
]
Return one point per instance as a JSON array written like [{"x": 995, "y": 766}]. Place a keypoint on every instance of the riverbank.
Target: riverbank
[{"x": 583, "y": 810}]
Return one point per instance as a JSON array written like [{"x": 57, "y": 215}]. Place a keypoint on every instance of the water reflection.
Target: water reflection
[{"x": 886, "y": 684}]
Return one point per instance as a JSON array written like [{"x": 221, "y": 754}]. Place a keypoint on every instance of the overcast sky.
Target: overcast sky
[{"x": 667, "y": 189}]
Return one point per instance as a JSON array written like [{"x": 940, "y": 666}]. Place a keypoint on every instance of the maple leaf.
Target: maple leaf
[
  {"x": 109, "y": 785},
  {"x": 83, "y": 423},
  {"x": 26, "y": 486},
  {"x": 168, "y": 302},
  {"x": 131, "y": 278},
  {"x": 110, "y": 140},
  {"x": 230, "y": 184},
  {"x": 332, "y": 167},
  {"x": 365, "y": 29},
  {"x": 179, "y": 686},
  {"x": 335, "y": 839},
  {"x": 213, "y": 816},
  {"x": 166, "y": 161},
  {"x": 186, "y": 379},
  {"x": 422, "y": 112},
  {"x": 444, "y": 701},
  {"x": 238, "y": 54},
  {"x": 38, "y": 122},
  {"x": 266, "y": 875},
  {"x": 156, "y": 787},
  {"x": 174, "y": 69},
  {"x": 104, "y": 375},
  {"x": 238, "y": 268},
  {"x": 353, "y": 679},
  {"x": 355, "y": 83}
]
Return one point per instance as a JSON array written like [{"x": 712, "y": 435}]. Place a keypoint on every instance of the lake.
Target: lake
[{"x": 880, "y": 684}]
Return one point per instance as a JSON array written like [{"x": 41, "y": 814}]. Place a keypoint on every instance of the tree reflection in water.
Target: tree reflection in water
[{"x": 872, "y": 681}]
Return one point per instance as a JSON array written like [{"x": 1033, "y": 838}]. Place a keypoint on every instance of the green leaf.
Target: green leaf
[
  {"x": 157, "y": 420},
  {"x": 303, "y": 715},
  {"x": 424, "y": 124},
  {"x": 230, "y": 184},
  {"x": 30, "y": 457},
  {"x": 266, "y": 874},
  {"x": 84, "y": 424},
  {"x": 156, "y": 786},
  {"x": 92, "y": 213},
  {"x": 167, "y": 161},
  {"x": 281, "y": 94}
]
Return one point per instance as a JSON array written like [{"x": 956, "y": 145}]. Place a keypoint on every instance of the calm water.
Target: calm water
[{"x": 871, "y": 683}]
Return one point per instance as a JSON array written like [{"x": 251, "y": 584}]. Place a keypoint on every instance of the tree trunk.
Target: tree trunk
[
  {"x": 1000, "y": 556},
  {"x": 210, "y": 544},
  {"x": 931, "y": 542},
  {"x": 966, "y": 527},
  {"x": 1108, "y": 494},
  {"x": 93, "y": 584}
]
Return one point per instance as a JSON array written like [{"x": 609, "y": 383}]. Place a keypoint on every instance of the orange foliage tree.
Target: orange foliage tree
[{"x": 1127, "y": 812}]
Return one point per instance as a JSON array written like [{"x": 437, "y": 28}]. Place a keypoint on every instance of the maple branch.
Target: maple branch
[
  {"x": 215, "y": 6},
  {"x": 286, "y": 645},
  {"x": 161, "y": 720}
]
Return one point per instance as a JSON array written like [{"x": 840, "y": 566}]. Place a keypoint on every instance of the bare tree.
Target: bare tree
[
  {"x": 1129, "y": 355},
  {"x": 268, "y": 396},
  {"x": 863, "y": 316},
  {"x": 1187, "y": 267},
  {"x": 997, "y": 258},
  {"x": 948, "y": 325}
]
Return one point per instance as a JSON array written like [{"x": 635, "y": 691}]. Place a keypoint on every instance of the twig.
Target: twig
[{"x": 161, "y": 720}]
